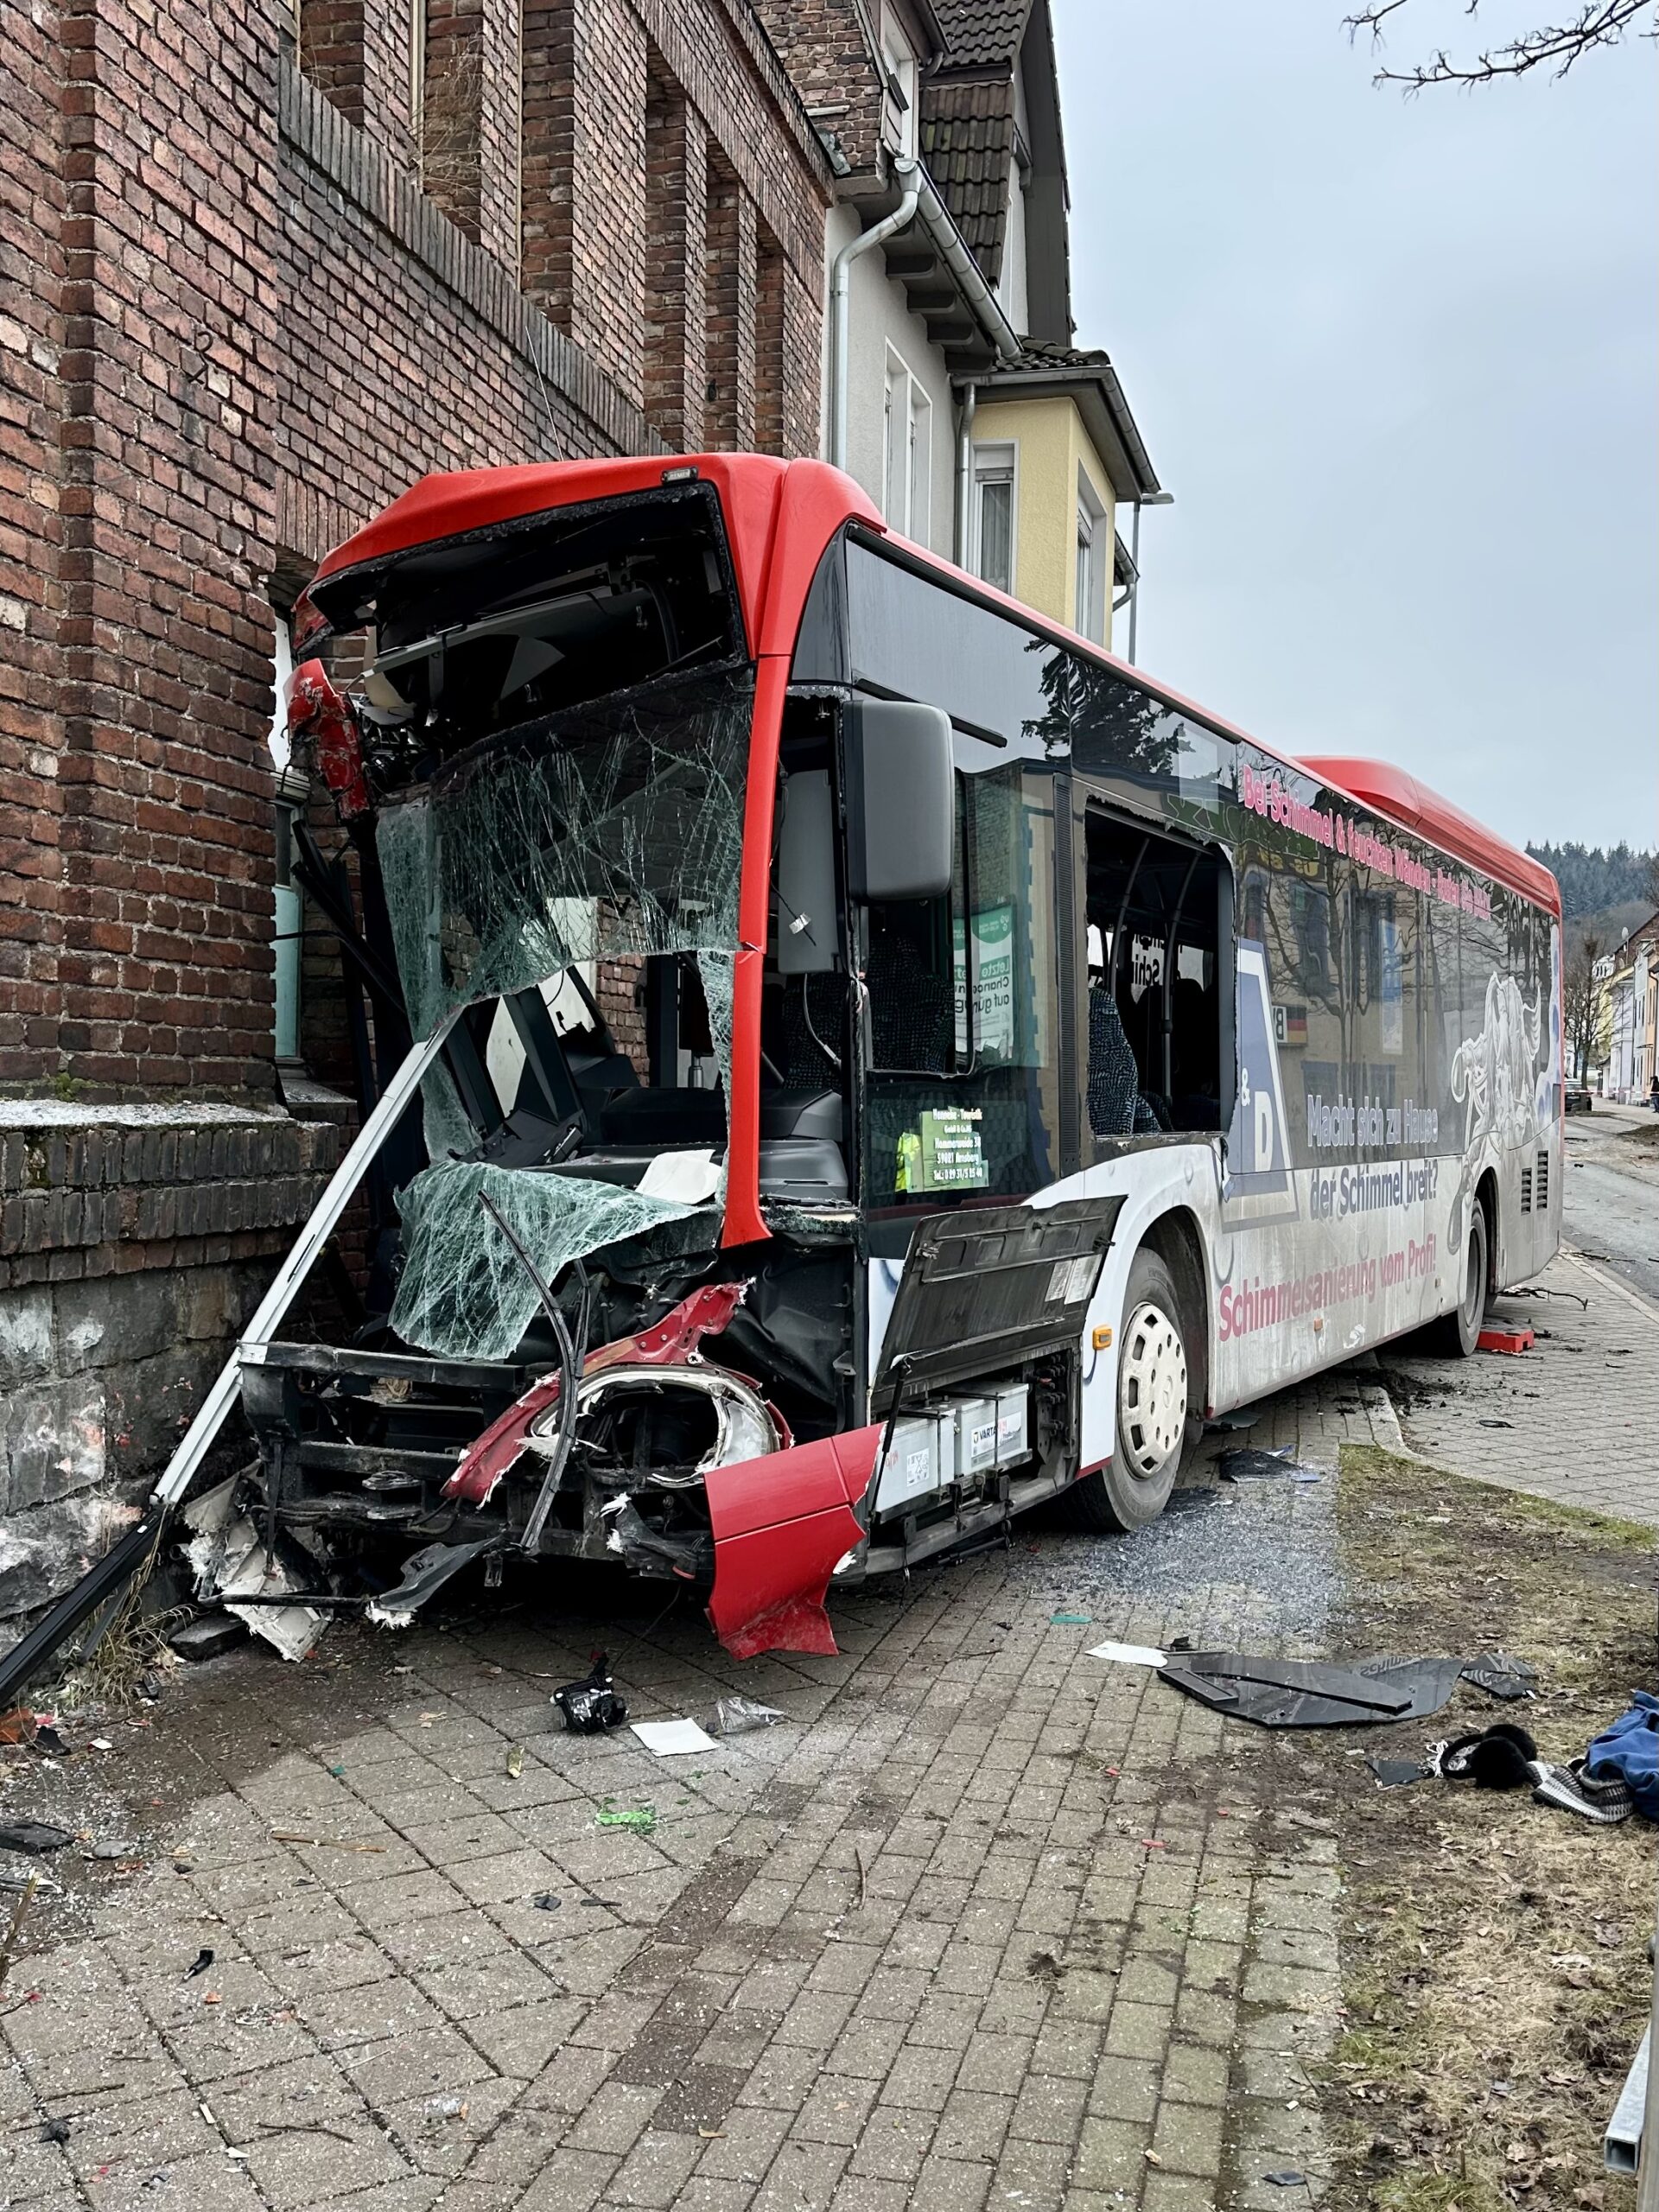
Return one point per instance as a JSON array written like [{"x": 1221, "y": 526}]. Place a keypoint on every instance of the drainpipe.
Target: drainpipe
[
  {"x": 965, "y": 474},
  {"x": 839, "y": 280},
  {"x": 919, "y": 201}
]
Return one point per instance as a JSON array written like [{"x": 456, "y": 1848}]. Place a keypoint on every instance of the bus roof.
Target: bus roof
[{"x": 776, "y": 564}]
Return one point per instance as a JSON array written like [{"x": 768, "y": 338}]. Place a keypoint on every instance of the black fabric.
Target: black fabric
[{"x": 1492, "y": 1759}]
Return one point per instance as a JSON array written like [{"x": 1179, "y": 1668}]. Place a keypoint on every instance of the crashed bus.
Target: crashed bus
[{"x": 875, "y": 1064}]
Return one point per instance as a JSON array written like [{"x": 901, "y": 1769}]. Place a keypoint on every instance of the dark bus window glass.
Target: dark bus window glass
[
  {"x": 910, "y": 637},
  {"x": 963, "y": 1085}
]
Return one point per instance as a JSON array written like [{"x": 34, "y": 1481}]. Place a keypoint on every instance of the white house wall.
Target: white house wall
[{"x": 880, "y": 317}]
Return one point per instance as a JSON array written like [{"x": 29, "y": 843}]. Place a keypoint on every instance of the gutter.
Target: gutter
[{"x": 919, "y": 201}]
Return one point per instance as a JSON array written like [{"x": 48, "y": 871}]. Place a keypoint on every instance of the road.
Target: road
[{"x": 1612, "y": 1202}]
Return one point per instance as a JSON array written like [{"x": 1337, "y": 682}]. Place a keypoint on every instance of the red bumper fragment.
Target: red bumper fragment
[{"x": 780, "y": 1524}]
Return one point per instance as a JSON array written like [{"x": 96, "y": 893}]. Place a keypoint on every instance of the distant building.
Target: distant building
[
  {"x": 952, "y": 390},
  {"x": 1632, "y": 1020}
]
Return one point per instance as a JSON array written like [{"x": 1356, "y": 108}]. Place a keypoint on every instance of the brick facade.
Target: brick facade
[{"x": 266, "y": 266}]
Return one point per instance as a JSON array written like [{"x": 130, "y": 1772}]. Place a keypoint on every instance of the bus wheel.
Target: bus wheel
[
  {"x": 1133, "y": 1486},
  {"x": 1455, "y": 1335}
]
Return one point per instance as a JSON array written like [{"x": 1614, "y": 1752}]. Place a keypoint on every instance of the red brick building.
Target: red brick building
[{"x": 261, "y": 269}]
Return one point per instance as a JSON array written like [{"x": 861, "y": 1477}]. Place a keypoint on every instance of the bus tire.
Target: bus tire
[
  {"x": 1132, "y": 1488},
  {"x": 1455, "y": 1335}
]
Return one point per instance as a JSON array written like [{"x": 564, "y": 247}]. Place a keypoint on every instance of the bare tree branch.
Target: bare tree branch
[{"x": 1553, "y": 47}]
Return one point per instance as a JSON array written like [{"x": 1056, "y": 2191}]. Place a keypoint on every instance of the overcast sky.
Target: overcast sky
[{"x": 1396, "y": 359}]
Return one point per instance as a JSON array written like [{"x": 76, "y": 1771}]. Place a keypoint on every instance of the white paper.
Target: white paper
[
  {"x": 688, "y": 1177},
  {"x": 666, "y": 1737},
  {"x": 1129, "y": 1655}
]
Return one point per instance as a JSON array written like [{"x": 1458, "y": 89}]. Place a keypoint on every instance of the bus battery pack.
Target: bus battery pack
[
  {"x": 958, "y": 1441},
  {"x": 1516, "y": 1339}
]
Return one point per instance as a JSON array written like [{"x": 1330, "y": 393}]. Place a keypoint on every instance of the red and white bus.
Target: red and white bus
[{"x": 884, "y": 1063}]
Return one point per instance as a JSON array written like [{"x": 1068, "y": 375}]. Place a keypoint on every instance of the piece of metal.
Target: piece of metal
[
  {"x": 325, "y": 1219},
  {"x": 28, "y": 1658},
  {"x": 570, "y": 1360},
  {"x": 1622, "y": 2144}
]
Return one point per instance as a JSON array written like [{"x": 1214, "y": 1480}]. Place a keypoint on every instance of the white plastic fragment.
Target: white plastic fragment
[{"x": 1129, "y": 1655}]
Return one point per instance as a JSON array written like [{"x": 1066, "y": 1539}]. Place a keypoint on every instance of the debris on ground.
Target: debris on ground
[
  {"x": 233, "y": 1561},
  {"x": 641, "y": 1819},
  {"x": 1604, "y": 1800},
  {"x": 1129, "y": 1655},
  {"x": 1069, "y": 1620},
  {"x": 1499, "y": 1758},
  {"x": 591, "y": 1706},
  {"x": 1499, "y": 1338},
  {"x": 669, "y": 1739},
  {"x": 33, "y": 1836},
  {"x": 736, "y": 1716},
  {"x": 54, "y": 2131},
  {"x": 1501, "y": 1674},
  {"x": 1628, "y": 1751},
  {"x": 515, "y": 1762},
  {"x": 203, "y": 1960},
  {"x": 545, "y": 1901},
  {"x": 450, "y": 2107},
  {"x": 1248, "y": 1464},
  {"x": 1312, "y": 1693},
  {"x": 208, "y": 1635}
]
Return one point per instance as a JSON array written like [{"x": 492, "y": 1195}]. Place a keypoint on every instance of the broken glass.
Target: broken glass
[
  {"x": 464, "y": 1293},
  {"x": 611, "y": 830}
]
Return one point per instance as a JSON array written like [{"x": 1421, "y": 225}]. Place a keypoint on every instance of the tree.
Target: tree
[
  {"x": 1583, "y": 1009},
  {"x": 1552, "y": 46}
]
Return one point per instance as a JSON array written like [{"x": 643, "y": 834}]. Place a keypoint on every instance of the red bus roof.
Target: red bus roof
[
  {"x": 779, "y": 517},
  {"x": 1389, "y": 791}
]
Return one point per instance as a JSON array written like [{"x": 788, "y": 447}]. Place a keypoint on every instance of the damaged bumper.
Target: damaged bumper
[{"x": 679, "y": 1469}]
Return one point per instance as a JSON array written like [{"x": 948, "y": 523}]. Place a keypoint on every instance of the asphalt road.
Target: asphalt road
[{"x": 1612, "y": 1203}]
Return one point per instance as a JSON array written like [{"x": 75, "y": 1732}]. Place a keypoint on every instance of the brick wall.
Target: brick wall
[{"x": 265, "y": 265}]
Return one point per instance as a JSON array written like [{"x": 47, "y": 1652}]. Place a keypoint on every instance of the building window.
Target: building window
[
  {"x": 1094, "y": 544},
  {"x": 906, "y": 472},
  {"x": 992, "y": 517}
]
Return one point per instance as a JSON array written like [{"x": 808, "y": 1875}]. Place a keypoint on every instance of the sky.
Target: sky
[{"x": 1397, "y": 359}]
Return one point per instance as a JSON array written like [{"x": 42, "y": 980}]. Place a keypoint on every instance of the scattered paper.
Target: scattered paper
[
  {"x": 667, "y": 1737},
  {"x": 1128, "y": 1655}
]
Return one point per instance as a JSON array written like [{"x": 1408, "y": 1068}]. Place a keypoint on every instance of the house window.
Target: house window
[
  {"x": 993, "y": 534},
  {"x": 1093, "y": 545},
  {"x": 907, "y": 452}
]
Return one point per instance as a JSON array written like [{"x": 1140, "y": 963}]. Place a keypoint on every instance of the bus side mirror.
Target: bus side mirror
[{"x": 901, "y": 800}]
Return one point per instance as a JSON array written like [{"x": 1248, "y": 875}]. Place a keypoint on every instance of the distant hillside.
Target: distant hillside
[{"x": 1592, "y": 880}]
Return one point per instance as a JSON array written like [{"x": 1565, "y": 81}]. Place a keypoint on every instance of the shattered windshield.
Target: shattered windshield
[{"x": 613, "y": 830}]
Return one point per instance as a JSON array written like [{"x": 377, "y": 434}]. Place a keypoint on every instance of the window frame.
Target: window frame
[{"x": 990, "y": 468}]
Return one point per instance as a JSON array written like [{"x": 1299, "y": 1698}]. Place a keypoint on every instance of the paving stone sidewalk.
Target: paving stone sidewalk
[
  {"x": 1576, "y": 1419},
  {"x": 984, "y": 1922}
]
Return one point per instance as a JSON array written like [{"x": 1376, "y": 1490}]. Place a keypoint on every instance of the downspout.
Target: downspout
[
  {"x": 840, "y": 280},
  {"x": 965, "y": 472},
  {"x": 919, "y": 201}
]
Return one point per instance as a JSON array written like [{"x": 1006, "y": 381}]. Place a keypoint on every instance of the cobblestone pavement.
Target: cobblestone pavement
[
  {"x": 1575, "y": 1418},
  {"x": 984, "y": 1922}
]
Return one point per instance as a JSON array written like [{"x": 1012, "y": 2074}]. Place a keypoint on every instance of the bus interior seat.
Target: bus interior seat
[{"x": 1114, "y": 1077}]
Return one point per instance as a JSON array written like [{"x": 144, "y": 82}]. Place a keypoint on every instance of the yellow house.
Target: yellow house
[{"x": 1053, "y": 454}]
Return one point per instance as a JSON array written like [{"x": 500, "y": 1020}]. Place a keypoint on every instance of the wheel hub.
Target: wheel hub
[{"x": 1151, "y": 1390}]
